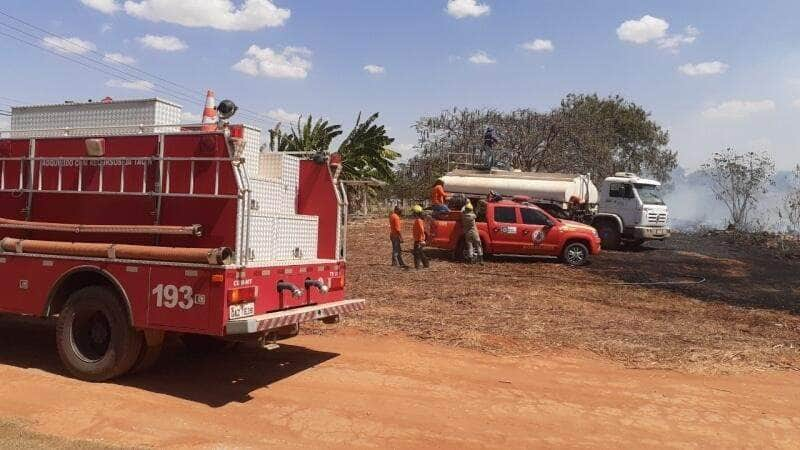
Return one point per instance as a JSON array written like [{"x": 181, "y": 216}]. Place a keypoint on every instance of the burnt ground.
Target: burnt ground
[{"x": 744, "y": 316}]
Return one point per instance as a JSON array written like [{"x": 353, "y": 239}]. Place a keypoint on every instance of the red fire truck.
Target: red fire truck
[{"x": 128, "y": 233}]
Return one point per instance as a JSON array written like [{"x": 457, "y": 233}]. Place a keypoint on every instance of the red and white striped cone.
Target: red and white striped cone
[{"x": 210, "y": 113}]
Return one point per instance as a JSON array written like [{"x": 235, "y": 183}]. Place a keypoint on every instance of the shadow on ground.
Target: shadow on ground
[{"x": 214, "y": 379}]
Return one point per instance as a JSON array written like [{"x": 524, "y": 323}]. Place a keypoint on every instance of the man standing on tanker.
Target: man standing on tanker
[
  {"x": 396, "y": 236},
  {"x": 472, "y": 240},
  {"x": 489, "y": 140}
]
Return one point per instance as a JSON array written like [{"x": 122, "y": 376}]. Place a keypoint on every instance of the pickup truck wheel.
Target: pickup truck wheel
[
  {"x": 93, "y": 336},
  {"x": 609, "y": 235},
  {"x": 575, "y": 254}
]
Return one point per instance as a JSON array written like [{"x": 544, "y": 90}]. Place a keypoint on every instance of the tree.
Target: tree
[
  {"x": 365, "y": 150},
  {"x": 366, "y": 153},
  {"x": 739, "y": 181},
  {"x": 791, "y": 202},
  {"x": 307, "y": 137},
  {"x": 584, "y": 134}
]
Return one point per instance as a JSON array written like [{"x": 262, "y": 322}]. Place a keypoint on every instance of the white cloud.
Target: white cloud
[
  {"x": 283, "y": 116},
  {"x": 291, "y": 62},
  {"x": 644, "y": 30},
  {"x": 480, "y": 57},
  {"x": 104, "y": 6},
  {"x": 68, "y": 45},
  {"x": 191, "y": 118},
  {"x": 796, "y": 103},
  {"x": 163, "y": 43},
  {"x": 138, "y": 85},
  {"x": 105, "y": 28},
  {"x": 704, "y": 68},
  {"x": 372, "y": 69},
  {"x": 467, "y": 8},
  {"x": 738, "y": 109},
  {"x": 539, "y": 45},
  {"x": 673, "y": 42},
  {"x": 119, "y": 58},
  {"x": 223, "y": 15}
]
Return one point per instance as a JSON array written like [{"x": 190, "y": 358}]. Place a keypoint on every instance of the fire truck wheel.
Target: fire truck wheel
[
  {"x": 148, "y": 356},
  {"x": 201, "y": 344},
  {"x": 575, "y": 254},
  {"x": 94, "y": 338},
  {"x": 609, "y": 235}
]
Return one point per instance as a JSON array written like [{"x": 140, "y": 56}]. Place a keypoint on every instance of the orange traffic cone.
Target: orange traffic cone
[{"x": 210, "y": 113}]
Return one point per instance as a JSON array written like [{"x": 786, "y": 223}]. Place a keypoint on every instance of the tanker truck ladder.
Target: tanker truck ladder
[{"x": 464, "y": 160}]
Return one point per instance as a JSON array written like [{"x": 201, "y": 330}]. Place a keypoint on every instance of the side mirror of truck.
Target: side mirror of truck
[{"x": 549, "y": 223}]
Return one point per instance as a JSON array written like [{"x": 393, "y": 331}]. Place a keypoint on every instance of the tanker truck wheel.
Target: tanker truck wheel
[
  {"x": 94, "y": 338},
  {"x": 609, "y": 235}
]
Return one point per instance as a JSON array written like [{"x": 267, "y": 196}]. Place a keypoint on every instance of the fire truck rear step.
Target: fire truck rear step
[{"x": 278, "y": 319}]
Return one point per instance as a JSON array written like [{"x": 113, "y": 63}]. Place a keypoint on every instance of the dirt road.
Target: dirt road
[{"x": 352, "y": 390}]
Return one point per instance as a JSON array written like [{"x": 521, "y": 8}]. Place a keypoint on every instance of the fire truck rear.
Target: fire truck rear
[{"x": 126, "y": 233}]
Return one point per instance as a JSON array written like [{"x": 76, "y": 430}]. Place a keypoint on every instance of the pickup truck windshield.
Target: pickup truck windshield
[{"x": 649, "y": 193}]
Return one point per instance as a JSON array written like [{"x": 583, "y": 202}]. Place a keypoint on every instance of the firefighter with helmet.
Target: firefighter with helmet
[
  {"x": 420, "y": 259},
  {"x": 473, "y": 251}
]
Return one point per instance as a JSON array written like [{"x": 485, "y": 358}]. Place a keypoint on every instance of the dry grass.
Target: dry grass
[{"x": 744, "y": 317}]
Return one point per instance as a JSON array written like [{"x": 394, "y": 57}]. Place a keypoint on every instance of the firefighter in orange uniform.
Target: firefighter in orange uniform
[
  {"x": 420, "y": 259},
  {"x": 396, "y": 236},
  {"x": 438, "y": 196}
]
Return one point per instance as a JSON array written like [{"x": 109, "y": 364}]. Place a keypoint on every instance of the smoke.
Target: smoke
[{"x": 693, "y": 205}]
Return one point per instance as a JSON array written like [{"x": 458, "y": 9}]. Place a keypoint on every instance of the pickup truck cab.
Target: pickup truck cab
[{"x": 518, "y": 228}]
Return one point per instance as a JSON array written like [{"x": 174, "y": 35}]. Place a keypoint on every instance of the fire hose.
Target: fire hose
[
  {"x": 191, "y": 230},
  {"x": 213, "y": 256}
]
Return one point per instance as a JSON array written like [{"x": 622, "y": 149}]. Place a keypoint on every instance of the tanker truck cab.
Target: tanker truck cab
[{"x": 630, "y": 211}]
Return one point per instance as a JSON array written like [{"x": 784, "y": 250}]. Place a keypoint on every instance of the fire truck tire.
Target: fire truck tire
[
  {"x": 148, "y": 356},
  {"x": 201, "y": 344},
  {"x": 575, "y": 254},
  {"x": 609, "y": 235},
  {"x": 95, "y": 340}
]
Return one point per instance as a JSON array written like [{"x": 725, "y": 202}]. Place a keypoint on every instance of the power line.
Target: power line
[
  {"x": 9, "y": 99},
  {"x": 98, "y": 69},
  {"x": 119, "y": 73},
  {"x": 245, "y": 111}
]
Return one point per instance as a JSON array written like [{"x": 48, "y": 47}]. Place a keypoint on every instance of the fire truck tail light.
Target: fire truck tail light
[
  {"x": 241, "y": 295},
  {"x": 337, "y": 284}
]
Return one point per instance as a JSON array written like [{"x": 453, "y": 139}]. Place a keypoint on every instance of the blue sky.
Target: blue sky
[{"x": 715, "y": 73}]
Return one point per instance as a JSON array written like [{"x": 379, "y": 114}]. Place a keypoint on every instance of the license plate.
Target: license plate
[{"x": 242, "y": 310}]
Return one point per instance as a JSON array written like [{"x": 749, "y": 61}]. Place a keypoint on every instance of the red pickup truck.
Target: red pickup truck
[{"x": 518, "y": 228}]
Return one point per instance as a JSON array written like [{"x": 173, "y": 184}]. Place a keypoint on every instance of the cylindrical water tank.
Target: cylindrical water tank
[{"x": 551, "y": 187}]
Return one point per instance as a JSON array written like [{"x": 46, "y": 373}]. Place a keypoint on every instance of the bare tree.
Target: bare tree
[
  {"x": 791, "y": 203},
  {"x": 739, "y": 181},
  {"x": 585, "y": 133}
]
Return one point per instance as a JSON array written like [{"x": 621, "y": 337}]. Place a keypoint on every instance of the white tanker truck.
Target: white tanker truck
[{"x": 627, "y": 210}]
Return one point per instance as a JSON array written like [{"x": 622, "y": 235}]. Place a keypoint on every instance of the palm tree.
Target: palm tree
[
  {"x": 306, "y": 137},
  {"x": 365, "y": 151}
]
